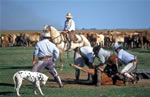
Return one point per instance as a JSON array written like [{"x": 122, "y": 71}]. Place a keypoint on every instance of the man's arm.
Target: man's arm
[
  {"x": 34, "y": 60},
  {"x": 35, "y": 53},
  {"x": 55, "y": 53}
]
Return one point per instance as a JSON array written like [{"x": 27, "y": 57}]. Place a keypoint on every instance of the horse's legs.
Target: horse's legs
[{"x": 60, "y": 59}]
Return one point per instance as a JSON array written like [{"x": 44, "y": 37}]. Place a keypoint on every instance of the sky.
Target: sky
[{"x": 88, "y": 14}]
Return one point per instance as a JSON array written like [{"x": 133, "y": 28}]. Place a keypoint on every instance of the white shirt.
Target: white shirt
[
  {"x": 46, "y": 48},
  {"x": 103, "y": 55},
  {"x": 125, "y": 56},
  {"x": 69, "y": 25},
  {"x": 87, "y": 52}
]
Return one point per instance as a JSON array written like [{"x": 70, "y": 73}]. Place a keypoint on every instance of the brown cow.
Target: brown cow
[
  {"x": 31, "y": 38},
  {"x": 144, "y": 38},
  {"x": 119, "y": 39},
  {"x": 92, "y": 37},
  {"x": 8, "y": 40},
  {"x": 109, "y": 40},
  {"x": 4, "y": 40}
]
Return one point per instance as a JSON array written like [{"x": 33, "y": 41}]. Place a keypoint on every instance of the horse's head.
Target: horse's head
[
  {"x": 47, "y": 28},
  {"x": 51, "y": 30},
  {"x": 54, "y": 33}
]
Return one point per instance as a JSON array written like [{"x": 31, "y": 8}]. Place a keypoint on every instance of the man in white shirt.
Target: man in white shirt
[
  {"x": 69, "y": 23},
  {"x": 83, "y": 56},
  {"x": 69, "y": 28},
  {"x": 47, "y": 53}
]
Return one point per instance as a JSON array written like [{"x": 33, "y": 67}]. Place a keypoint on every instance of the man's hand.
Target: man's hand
[
  {"x": 34, "y": 60},
  {"x": 33, "y": 63},
  {"x": 64, "y": 31}
]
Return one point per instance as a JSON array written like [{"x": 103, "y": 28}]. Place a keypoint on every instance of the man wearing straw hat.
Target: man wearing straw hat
[{"x": 69, "y": 28}]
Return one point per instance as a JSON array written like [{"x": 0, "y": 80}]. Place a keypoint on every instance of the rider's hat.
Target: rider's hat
[{"x": 68, "y": 15}]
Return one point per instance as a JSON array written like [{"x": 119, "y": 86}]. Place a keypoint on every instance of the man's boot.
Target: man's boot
[
  {"x": 98, "y": 77},
  {"x": 77, "y": 74},
  {"x": 89, "y": 77},
  {"x": 57, "y": 78}
]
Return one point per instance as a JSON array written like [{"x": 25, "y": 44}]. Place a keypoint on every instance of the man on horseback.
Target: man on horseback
[{"x": 69, "y": 28}]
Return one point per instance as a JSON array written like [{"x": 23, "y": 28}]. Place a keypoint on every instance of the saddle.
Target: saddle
[{"x": 70, "y": 36}]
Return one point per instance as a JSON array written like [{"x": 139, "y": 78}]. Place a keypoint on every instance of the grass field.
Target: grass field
[
  {"x": 77, "y": 31},
  {"x": 13, "y": 59}
]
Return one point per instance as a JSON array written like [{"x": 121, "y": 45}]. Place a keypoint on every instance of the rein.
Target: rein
[{"x": 57, "y": 37}]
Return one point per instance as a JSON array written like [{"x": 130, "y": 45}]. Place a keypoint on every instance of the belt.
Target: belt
[
  {"x": 45, "y": 57},
  {"x": 132, "y": 61}
]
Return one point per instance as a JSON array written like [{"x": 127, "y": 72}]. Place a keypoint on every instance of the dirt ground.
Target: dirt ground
[{"x": 68, "y": 81}]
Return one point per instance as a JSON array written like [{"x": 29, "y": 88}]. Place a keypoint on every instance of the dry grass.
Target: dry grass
[{"x": 77, "y": 31}]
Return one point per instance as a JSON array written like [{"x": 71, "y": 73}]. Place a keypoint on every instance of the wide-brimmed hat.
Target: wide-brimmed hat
[
  {"x": 68, "y": 15},
  {"x": 46, "y": 34},
  {"x": 116, "y": 47}
]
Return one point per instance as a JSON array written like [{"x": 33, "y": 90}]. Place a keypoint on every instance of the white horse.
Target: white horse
[{"x": 58, "y": 39}]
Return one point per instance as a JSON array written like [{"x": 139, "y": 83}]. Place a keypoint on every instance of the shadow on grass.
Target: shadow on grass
[
  {"x": 80, "y": 82},
  {"x": 72, "y": 82},
  {"x": 5, "y": 93},
  {"x": 141, "y": 51},
  {"x": 144, "y": 51},
  {"x": 17, "y": 67},
  {"x": 6, "y": 84}
]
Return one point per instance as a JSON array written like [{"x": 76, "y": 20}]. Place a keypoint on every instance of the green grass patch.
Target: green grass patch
[{"x": 13, "y": 59}]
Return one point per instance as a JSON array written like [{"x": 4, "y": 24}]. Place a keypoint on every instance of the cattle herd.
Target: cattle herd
[
  {"x": 136, "y": 39},
  {"x": 21, "y": 39}
]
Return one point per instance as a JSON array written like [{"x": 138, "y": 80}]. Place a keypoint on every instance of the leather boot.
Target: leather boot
[
  {"x": 57, "y": 78},
  {"x": 77, "y": 74}
]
